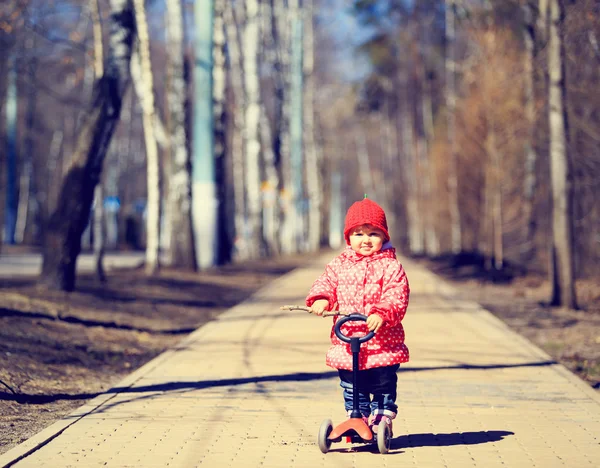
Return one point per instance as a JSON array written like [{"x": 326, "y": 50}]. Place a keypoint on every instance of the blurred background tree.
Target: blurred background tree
[{"x": 440, "y": 110}]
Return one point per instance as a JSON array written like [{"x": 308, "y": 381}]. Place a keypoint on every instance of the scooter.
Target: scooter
[{"x": 355, "y": 430}]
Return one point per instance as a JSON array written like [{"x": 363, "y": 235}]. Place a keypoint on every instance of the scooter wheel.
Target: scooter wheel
[
  {"x": 384, "y": 436},
  {"x": 324, "y": 431}
]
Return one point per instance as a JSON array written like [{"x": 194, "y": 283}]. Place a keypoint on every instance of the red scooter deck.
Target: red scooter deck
[{"x": 350, "y": 427}]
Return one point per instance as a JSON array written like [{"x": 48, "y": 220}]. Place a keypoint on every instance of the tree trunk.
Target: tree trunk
[
  {"x": 282, "y": 132},
  {"x": 416, "y": 242},
  {"x": 98, "y": 226},
  {"x": 251, "y": 134},
  {"x": 270, "y": 159},
  {"x": 62, "y": 240},
  {"x": 224, "y": 231},
  {"x": 278, "y": 59},
  {"x": 432, "y": 247},
  {"x": 313, "y": 173},
  {"x": 450, "y": 90},
  {"x": 237, "y": 139},
  {"x": 145, "y": 91},
  {"x": 530, "y": 153},
  {"x": 98, "y": 221},
  {"x": 10, "y": 212},
  {"x": 204, "y": 188},
  {"x": 181, "y": 248},
  {"x": 494, "y": 158},
  {"x": 296, "y": 124},
  {"x": 562, "y": 274},
  {"x": 27, "y": 176}
]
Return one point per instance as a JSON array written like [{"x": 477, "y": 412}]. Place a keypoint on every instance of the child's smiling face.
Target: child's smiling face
[{"x": 366, "y": 239}]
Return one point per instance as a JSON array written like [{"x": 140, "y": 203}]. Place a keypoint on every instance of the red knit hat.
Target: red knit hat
[{"x": 365, "y": 212}]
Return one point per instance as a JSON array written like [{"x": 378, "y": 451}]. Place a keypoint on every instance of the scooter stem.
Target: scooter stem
[{"x": 355, "y": 348}]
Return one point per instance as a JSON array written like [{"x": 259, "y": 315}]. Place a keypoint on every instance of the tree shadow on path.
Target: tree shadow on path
[{"x": 158, "y": 388}]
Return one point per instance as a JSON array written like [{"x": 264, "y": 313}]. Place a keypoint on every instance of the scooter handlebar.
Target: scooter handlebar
[{"x": 351, "y": 318}]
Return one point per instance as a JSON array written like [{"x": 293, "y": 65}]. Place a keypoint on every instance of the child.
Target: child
[{"x": 366, "y": 278}]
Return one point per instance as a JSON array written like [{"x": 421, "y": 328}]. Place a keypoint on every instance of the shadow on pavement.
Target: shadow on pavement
[
  {"x": 203, "y": 384},
  {"x": 445, "y": 440},
  {"x": 408, "y": 441}
]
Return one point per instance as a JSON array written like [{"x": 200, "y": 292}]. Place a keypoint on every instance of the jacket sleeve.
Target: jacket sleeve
[
  {"x": 325, "y": 287},
  {"x": 394, "y": 298}
]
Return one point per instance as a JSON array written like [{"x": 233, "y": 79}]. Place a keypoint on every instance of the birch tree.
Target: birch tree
[
  {"x": 181, "y": 248},
  {"x": 62, "y": 241},
  {"x": 252, "y": 144},
  {"x": 562, "y": 271},
  {"x": 145, "y": 91},
  {"x": 313, "y": 173},
  {"x": 98, "y": 219}
]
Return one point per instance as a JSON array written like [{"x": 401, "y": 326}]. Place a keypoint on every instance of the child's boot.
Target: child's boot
[{"x": 376, "y": 418}]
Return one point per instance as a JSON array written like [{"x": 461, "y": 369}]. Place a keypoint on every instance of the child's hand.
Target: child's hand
[
  {"x": 319, "y": 306},
  {"x": 374, "y": 322}
]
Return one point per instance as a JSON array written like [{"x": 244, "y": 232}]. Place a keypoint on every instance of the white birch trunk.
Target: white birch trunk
[
  {"x": 98, "y": 219},
  {"x": 313, "y": 174},
  {"x": 251, "y": 134},
  {"x": 145, "y": 91},
  {"x": 288, "y": 208},
  {"x": 181, "y": 245},
  {"x": 562, "y": 271},
  {"x": 295, "y": 94}
]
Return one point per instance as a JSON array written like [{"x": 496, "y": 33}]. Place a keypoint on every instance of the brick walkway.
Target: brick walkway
[{"x": 251, "y": 389}]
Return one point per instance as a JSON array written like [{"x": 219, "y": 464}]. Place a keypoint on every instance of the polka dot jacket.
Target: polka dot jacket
[{"x": 367, "y": 285}]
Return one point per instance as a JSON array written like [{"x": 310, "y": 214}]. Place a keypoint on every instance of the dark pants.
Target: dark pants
[{"x": 380, "y": 382}]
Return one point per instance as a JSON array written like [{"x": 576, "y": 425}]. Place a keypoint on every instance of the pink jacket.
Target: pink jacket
[{"x": 374, "y": 284}]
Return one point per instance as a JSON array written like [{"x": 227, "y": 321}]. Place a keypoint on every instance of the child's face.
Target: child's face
[{"x": 366, "y": 239}]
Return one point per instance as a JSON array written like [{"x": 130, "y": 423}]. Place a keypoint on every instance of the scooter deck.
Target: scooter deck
[{"x": 351, "y": 427}]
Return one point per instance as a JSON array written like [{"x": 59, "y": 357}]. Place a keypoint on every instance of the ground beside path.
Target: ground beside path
[
  {"x": 58, "y": 351},
  {"x": 250, "y": 388}
]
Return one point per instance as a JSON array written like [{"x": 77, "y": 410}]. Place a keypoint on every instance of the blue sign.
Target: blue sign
[{"x": 112, "y": 203}]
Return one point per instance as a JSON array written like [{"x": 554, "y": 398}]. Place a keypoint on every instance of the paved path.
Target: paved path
[{"x": 251, "y": 389}]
